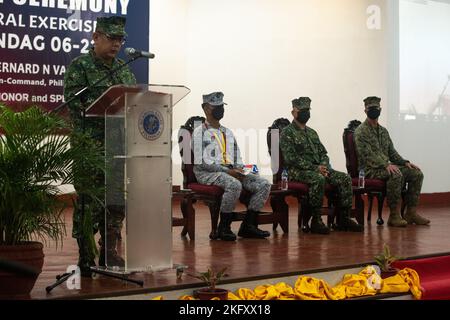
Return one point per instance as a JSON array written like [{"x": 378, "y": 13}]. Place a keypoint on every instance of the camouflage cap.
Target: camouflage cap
[
  {"x": 214, "y": 99},
  {"x": 372, "y": 102},
  {"x": 112, "y": 26},
  {"x": 302, "y": 103}
]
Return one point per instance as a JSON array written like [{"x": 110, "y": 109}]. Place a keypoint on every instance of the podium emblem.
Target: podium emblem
[{"x": 151, "y": 125}]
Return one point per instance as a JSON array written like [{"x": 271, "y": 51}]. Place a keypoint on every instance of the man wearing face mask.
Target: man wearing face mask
[
  {"x": 217, "y": 161},
  {"x": 380, "y": 160},
  {"x": 307, "y": 162}
]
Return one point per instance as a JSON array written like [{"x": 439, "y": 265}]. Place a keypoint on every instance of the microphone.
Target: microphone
[{"x": 138, "y": 53}]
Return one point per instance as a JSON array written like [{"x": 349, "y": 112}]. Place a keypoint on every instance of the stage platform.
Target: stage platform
[{"x": 280, "y": 256}]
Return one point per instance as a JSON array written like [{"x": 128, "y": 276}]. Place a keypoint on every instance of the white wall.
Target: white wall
[
  {"x": 264, "y": 53},
  {"x": 421, "y": 138},
  {"x": 424, "y": 54}
]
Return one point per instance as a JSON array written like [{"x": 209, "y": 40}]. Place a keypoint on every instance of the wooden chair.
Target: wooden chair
[
  {"x": 212, "y": 195},
  {"x": 373, "y": 187},
  {"x": 187, "y": 210}
]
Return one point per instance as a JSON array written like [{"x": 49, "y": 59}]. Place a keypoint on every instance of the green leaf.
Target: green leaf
[{"x": 34, "y": 160}]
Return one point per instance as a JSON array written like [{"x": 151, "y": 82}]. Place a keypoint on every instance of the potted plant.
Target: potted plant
[
  {"x": 384, "y": 260},
  {"x": 35, "y": 158},
  {"x": 211, "y": 278}
]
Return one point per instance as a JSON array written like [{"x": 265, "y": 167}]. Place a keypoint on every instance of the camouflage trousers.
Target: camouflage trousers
[
  {"x": 113, "y": 219},
  {"x": 396, "y": 182},
  {"x": 257, "y": 186},
  {"x": 316, "y": 182}
]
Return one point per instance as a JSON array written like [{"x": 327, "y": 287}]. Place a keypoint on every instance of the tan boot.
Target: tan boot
[
  {"x": 412, "y": 217},
  {"x": 395, "y": 219}
]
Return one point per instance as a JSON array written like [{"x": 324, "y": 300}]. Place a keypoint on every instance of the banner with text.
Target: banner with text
[{"x": 39, "y": 38}]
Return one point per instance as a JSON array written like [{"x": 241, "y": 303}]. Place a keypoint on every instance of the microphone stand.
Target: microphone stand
[
  {"x": 79, "y": 94},
  {"x": 60, "y": 279}
]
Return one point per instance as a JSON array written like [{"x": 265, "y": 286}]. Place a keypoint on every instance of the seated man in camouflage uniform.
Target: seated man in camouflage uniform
[
  {"x": 307, "y": 162},
  {"x": 380, "y": 160},
  {"x": 84, "y": 71},
  {"x": 217, "y": 162}
]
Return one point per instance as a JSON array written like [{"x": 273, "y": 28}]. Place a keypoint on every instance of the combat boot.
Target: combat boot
[
  {"x": 85, "y": 260},
  {"x": 412, "y": 217},
  {"x": 317, "y": 225},
  {"x": 224, "y": 229},
  {"x": 249, "y": 227},
  {"x": 108, "y": 252},
  {"x": 395, "y": 219},
  {"x": 254, "y": 221},
  {"x": 348, "y": 224}
]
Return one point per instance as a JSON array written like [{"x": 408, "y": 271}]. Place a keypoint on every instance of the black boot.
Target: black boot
[
  {"x": 108, "y": 253},
  {"x": 85, "y": 260},
  {"x": 254, "y": 221},
  {"x": 317, "y": 225},
  {"x": 249, "y": 227},
  {"x": 224, "y": 229},
  {"x": 347, "y": 224}
]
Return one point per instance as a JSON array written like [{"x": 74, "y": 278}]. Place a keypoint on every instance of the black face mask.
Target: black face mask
[
  {"x": 303, "y": 117},
  {"x": 374, "y": 113},
  {"x": 218, "y": 112}
]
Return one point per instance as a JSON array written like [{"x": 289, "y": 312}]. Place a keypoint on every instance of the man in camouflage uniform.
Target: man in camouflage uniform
[
  {"x": 83, "y": 71},
  {"x": 217, "y": 161},
  {"x": 307, "y": 162},
  {"x": 378, "y": 157}
]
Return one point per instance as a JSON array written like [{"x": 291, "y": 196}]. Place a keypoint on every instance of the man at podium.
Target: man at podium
[
  {"x": 217, "y": 161},
  {"x": 84, "y": 71}
]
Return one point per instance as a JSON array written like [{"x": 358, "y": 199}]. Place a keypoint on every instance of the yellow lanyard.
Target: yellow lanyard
[{"x": 223, "y": 147}]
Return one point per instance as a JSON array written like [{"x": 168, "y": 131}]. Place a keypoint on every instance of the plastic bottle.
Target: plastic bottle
[
  {"x": 284, "y": 180},
  {"x": 361, "y": 179}
]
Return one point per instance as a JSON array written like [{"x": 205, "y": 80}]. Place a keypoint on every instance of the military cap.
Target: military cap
[
  {"x": 302, "y": 103},
  {"x": 112, "y": 26},
  {"x": 372, "y": 102},
  {"x": 214, "y": 99}
]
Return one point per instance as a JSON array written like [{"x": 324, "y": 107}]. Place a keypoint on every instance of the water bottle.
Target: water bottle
[
  {"x": 284, "y": 180},
  {"x": 361, "y": 179}
]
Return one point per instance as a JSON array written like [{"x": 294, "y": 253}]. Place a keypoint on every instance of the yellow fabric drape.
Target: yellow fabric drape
[
  {"x": 245, "y": 294},
  {"x": 365, "y": 283},
  {"x": 405, "y": 280},
  {"x": 308, "y": 288},
  {"x": 266, "y": 292},
  {"x": 186, "y": 298},
  {"x": 411, "y": 277},
  {"x": 354, "y": 286}
]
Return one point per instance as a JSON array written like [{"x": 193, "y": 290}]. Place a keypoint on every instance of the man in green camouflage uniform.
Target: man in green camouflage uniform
[
  {"x": 307, "y": 162},
  {"x": 378, "y": 157},
  {"x": 83, "y": 71}
]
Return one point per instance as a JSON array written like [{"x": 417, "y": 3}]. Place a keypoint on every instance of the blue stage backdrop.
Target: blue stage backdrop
[{"x": 39, "y": 38}]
